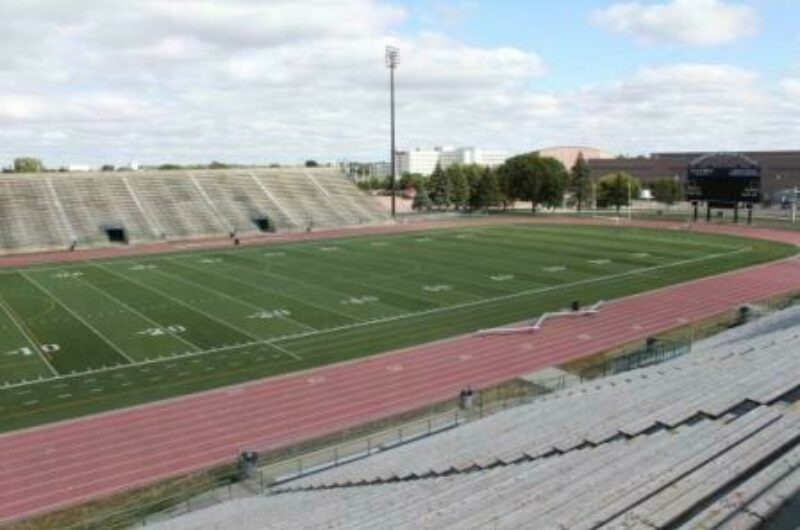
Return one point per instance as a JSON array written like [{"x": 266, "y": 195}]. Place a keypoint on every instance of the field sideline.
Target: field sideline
[{"x": 92, "y": 336}]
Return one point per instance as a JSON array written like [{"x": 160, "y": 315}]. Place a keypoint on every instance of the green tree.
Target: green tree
[
  {"x": 581, "y": 181},
  {"x": 459, "y": 186},
  {"x": 439, "y": 188},
  {"x": 422, "y": 201},
  {"x": 554, "y": 182},
  {"x": 614, "y": 189},
  {"x": 218, "y": 165},
  {"x": 28, "y": 165},
  {"x": 474, "y": 174},
  {"x": 312, "y": 163},
  {"x": 668, "y": 191},
  {"x": 486, "y": 192},
  {"x": 412, "y": 180},
  {"x": 532, "y": 178}
]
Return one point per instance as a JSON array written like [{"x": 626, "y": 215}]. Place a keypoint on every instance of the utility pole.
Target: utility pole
[{"x": 392, "y": 60}]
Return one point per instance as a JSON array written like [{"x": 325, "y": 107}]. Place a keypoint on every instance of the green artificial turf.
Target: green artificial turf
[{"x": 88, "y": 337}]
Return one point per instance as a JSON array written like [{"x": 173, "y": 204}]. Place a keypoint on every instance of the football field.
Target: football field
[{"x": 87, "y": 337}]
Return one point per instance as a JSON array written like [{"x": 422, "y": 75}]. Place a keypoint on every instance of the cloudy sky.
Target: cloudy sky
[{"x": 94, "y": 81}]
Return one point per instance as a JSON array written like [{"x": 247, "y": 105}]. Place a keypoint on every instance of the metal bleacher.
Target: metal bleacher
[
  {"x": 708, "y": 440},
  {"x": 56, "y": 210}
]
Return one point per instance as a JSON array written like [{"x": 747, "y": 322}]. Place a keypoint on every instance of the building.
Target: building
[
  {"x": 424, "y": 161},
  {"x": 780, "y": 170},
  {"x": 567, "y": 155}
]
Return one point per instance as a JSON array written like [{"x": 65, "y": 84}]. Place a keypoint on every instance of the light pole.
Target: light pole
[
  {"x": 630, "y": 201},
  {"x": 392, "y": 60}
]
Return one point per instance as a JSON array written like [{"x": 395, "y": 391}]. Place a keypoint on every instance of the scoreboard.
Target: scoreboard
[{"x": 723, "y": 180}]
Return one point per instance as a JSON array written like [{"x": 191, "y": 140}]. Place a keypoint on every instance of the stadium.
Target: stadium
[
  {"x": 256, "y": 272},
  {"x": 191, "y": 349}
]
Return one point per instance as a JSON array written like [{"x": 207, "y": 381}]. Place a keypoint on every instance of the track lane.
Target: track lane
[{"x": 431, "y": 378}]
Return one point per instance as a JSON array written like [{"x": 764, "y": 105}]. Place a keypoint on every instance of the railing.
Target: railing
[{"x": 210, "y": 489}]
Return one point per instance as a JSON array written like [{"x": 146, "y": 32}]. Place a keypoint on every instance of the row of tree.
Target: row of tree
[{"x": 542, "y": 181}]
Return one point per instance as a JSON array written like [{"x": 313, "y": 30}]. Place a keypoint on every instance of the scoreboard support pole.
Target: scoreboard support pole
[
  {"x": 749, "y": 213},
  {"x": 708, "y": 212},
  {"x": 736, "y": 213}
]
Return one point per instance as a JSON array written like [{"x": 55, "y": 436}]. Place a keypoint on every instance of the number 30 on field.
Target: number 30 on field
[{"x": 27, "y": 351}]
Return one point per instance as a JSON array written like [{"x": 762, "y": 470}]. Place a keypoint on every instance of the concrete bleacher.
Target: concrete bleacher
[
  {"x": 53, "y": 211},
  {"x": 93, "y": 202},
  {"x": 28, "y": 215},
  {"x": 709, "y": 440}
]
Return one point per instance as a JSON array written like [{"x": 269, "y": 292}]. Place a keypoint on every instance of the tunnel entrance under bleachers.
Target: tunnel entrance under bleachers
[
  {"x": 264, "y": 224},
  {"x": 116, "y": 234}
]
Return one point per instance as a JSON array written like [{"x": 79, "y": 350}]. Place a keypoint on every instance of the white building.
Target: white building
[{"x": 423, "y": 161}]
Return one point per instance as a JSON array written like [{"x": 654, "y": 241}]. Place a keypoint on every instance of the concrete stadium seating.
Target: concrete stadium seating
[
  {"x": 53, "y": 211},
  {"x": 710, "y": 440}
]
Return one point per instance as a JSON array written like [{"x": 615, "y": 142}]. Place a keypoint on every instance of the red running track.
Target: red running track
[{"x": 64, "y": 464}]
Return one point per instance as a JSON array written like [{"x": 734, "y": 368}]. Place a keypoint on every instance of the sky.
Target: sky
[{"x": 261, "y": 81}]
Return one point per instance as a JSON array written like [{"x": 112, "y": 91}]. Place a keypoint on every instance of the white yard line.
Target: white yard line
[
  {"x": 140, "y": 314},
  {"x": 521, "y": 293},
  {"x": 80, "y": 319},
  {"x": 271, "y": 342},
  {"x": 226, "y": 295},
  {"x": 256, "y": 340},
  {"x": 287, "y": 279},
  {"x": 31, "y": 340}
]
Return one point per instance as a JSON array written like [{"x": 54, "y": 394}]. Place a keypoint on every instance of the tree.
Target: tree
[
  {"x": 422, "y": 201},
  {"x": 459, "y": 187},
  {"x": 614, "y": 189},
  {"x": 487, "y": 191},
  {"x": 412, "y": 180},
  {"x": 217, "y": 165},
  {"x": 312, "y": 163},
  {"x": 28, "y": 165},
  {"x": 533, "y": 178},
  {"x": 554, "y": 182},
  {"x": 668, "y": 191},
  {"x": 581, "y": 181},
  {"x": 107, "y": 168},
  {"x": 439, "y": 188},
  {"x": 169, "y": 167}
]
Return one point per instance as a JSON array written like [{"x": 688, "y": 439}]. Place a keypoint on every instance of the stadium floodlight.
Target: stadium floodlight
[{"x": 392, "y": 60}]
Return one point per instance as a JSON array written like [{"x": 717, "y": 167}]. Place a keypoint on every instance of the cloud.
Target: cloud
[
  {"x": 242, "y": 80},
  {"x": 684, "y": 107},
  {"x": 686, "y": 22},
  {"x": 791, "y": 87},
  {"x": 116, "y": 81}
]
